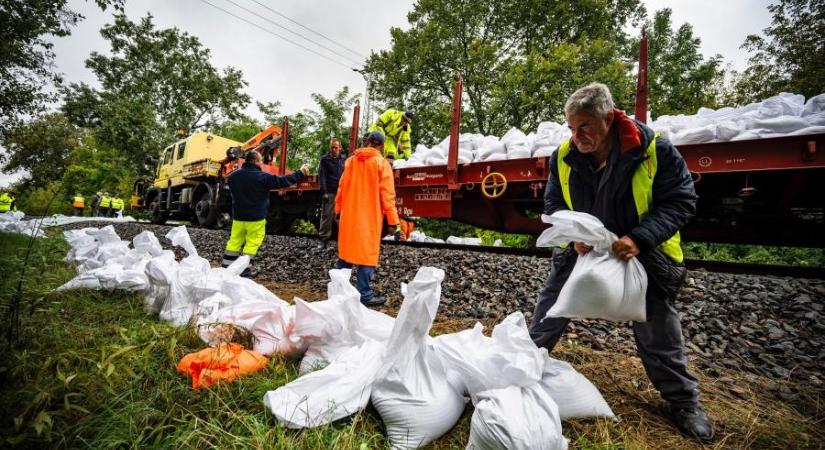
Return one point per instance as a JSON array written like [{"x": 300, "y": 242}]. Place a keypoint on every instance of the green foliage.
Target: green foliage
[
  {"x": 26, "y": 56},
  {"x": 42, "y": 147},
  {"x": 239, "y": 130},
  {"x": 444, "y": 228},
  {"x": 489, "y": 238},
  {"x": 755, "y": 254},
  {"x": 788, "y": 56},
  {"x": 519, "y": 60},
  {"x": 681, "y": 80},
  {"x": 44, "y": 200}
]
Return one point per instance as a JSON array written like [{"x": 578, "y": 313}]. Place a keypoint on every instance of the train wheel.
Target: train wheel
[
  {"x": 205, "y": 212},
  {"x": 157, "y": 215}
]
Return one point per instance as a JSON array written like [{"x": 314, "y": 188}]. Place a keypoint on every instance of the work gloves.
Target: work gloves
[{"x": 397, "y": 234}]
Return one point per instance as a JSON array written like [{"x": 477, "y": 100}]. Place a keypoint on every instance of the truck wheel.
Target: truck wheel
[
  {"x": 157, "y": 215},
  {"x": 206, "y": 213}
]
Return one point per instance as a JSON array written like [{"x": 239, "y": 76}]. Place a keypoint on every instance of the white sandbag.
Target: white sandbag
[
  {"x": 180, "y": 238},
  {"x": 697, "y": 135},
  {"x": 465, "y": 156},
  {"x": 463, "y": 240},
  {"x": 516, "y": 418},
  {"x": 495, "y": 157},
  {"x": 784, "y": 104},
  {"x": 814, "y": 105},
  {"x": 478, "y": 363},
  {"x": 466, "y": 141},
  {"x": 519, "y": 153},
  {"x": 574, "y": 394},
  {"x": 411, "y": 392},
  {"x": 332, "y": 393},
  {"x": 160, "y": 271},
  {"x": 727, "y": 130},
  {"x": 544, "y": 140},
  {"x": 513, "y": 135},
  {"x": 782, "y": 124},
  {"x": 544, "y": 152},
  {"x": 147, "y": 242},
  {"x": 419, "y": 236},
  {"x": 809, "y": 130},
  {"x": 816, "y": 119},
  {"x": 601, "y": 286}
]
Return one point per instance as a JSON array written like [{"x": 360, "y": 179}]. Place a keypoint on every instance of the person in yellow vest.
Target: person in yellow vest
[
  {"x": 78, "y": 203},
  {"x": 396, "y": 126},
  {"x": 117, "y": 207},
  {"x": 7, "y": 202},
  {"x": 638, "y": 185},
  {"x": 105, "y": 205}
]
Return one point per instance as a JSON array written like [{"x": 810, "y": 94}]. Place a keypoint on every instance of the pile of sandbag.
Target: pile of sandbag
[
  {"x": 13, "y": 222},
  {"x": 352, "y": 354},
  {"x": 780, "y": 115}
]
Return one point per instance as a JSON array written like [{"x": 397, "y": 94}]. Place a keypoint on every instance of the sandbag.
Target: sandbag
[
  {"x": 340, "y": 389},
  {"x": 223, "y": 363},
  {"x": 411, "y": 392},
  {"x": 574, "y": 394},
  {"x": 814, "y": 105},
  {"x": 782, "y": 124},
  {"x": 697, "y": 135},
  {"x": 516, "y": 418},
  {"x": 601, "y": 286}
]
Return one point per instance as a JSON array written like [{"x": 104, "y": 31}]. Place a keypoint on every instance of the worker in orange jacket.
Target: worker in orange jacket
[{"x": 366, "y": 194}]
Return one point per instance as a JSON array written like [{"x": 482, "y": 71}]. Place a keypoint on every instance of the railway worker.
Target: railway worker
[
  {"x": 94, "y": 203},
  {"x": 396, "y": 126},
  {"x": 639, "y": 186},
  {"x": 78, "y": 203},
  {"x": 366, "y": 194},
  {"x": 117, "y": 207},
  {"x": 250, "y": 188},
  {"x": 105, "y": 205},
  {"x": 330, "y": 169},
  {"x": 7, "y": 202}
]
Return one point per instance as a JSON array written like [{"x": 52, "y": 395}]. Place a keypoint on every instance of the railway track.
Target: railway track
[{"x": 692, "y": 264}]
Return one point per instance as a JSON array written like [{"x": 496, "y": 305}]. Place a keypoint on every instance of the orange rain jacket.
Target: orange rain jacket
[
  {"x": 224, "y": 362},
  {"x": 366, "y": 193}
]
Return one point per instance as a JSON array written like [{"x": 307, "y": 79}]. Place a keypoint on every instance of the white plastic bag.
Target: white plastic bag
[
  {"x": 601, "y": 286},
  {"x": 411, "y": 393},
  {"x": 574, "y": 394},
  {"x": 334, "y": 392}
]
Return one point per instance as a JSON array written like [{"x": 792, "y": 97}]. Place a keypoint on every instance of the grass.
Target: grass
[{"x": 91, "y": 370}]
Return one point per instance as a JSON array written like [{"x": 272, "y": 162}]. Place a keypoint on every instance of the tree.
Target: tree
[
  {"x": 789, "y": 55},
  {"x": 155, "y": 82},
  {"x": 680, "y": 79},
  {"x": 519, "y": 60},
  {"x": 42, "y": 147},
  {"x": 240, "y": 129},
  {"x": 26, "y": 55}
]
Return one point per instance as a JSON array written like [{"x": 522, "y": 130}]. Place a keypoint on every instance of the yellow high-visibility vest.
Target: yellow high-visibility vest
[
  {"x": 106, "y": 202},
  {"x": 5, "y": 202},
  {"x": 642, "y": 192},
  {"x": 78, "y": 202}
]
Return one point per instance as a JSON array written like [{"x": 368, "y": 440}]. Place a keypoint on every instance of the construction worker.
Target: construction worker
[
  {"x": 366, "y": 194},
  {"x": 105, "y": 205},
  {"x": 7, "y": 202},
  {"x": 329, "y": 173},
  {"x": 396, "y": 127},
  {"x": 117, "y": 207},
  {"x": 250, "y": 188},
  {"x": 94, "y": 203},
  {"x": 639, "y": 186},
  {"x": 407, "y": 227},
  {"x": 78, "y": 203}
]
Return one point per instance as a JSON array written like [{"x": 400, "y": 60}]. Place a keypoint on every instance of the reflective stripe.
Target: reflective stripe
[{"x": 642, "y": 184}]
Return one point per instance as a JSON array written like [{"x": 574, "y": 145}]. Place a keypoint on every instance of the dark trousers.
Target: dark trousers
[
  {"x": 328, "y": 224},
  {"x": 103, "y": 212},
  {"x": 363, "y": 277},
  {"x": 78, "y": 211},
  {"x": 659, "y": 341}
]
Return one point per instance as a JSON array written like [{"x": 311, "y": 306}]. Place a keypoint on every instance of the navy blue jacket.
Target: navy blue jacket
[
  {"x": 250, "y": 188},
  {"x": 329, "y": 173},
  {"x": 609, "y": 196}
]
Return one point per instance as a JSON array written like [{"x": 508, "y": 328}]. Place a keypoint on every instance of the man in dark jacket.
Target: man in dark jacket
[
  {"x": 250, "y": 188},
  {"x": 639, "y": 186},
  {"x": 329, "y": 173}
]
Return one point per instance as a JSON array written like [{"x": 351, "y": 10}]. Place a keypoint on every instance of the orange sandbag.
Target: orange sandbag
[{"x": 224, "y": 362}]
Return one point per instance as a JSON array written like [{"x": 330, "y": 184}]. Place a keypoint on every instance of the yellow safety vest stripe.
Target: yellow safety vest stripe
[{"x": 642, "y": 186}]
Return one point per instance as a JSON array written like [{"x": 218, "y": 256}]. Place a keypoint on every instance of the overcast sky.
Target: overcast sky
[{"x": 278, "y": 70}]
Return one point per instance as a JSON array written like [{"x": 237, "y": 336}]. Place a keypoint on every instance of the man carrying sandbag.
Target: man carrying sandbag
[{"x": 638, "y": 185}]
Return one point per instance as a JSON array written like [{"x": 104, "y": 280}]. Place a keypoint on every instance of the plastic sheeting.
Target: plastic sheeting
[
  {"x": 601, "y": 286},
  {"x": 13, "y": 222},
  {"x": 223, "y": 363}
]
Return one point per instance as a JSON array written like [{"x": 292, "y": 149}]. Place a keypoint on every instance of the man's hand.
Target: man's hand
[
  {"x": 397, "y": 234},
  {"x": 305, "y": 169},
  {"x": 582, "y": 248},
  {"x": 625, "y": 248}
]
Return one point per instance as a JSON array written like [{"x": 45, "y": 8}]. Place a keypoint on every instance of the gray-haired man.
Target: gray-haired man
[{"x": 639, "y": 186}]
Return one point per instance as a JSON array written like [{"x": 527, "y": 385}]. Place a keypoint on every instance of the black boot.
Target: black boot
[
  {"x": 376, "y": 300},
  {"x": 693, "y": 422}
]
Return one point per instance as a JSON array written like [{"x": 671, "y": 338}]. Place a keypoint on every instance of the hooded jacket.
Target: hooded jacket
[
  {"x": 250, "y": 188},
  {"x": 366, "y": 193},
  {"x": 609, "y": 195}
]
